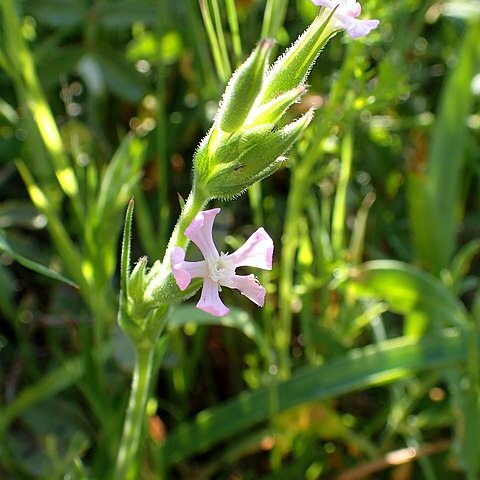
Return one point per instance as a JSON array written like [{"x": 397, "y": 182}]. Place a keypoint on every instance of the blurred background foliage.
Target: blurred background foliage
[{"x": 364, "y": 361}]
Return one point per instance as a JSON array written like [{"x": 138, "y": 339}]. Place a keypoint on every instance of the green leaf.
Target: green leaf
[
  {"x": 462, "y": 261},
  {"x": 435, "y": 195},
  {"x": 51, "y": 383},
  {"x": 46, "y": 387},
  {"x": 117, "y": 185},
  {"x": 7, "y": 303},
  {"x": 36, "y": 267},
  {"x": 118, "y": 180},
  {"x": 465, "y": 407},
  {"x": 126, "y": 253},
  {"x": 363, "y": 368},
  {"x": 8, "y": 113}
]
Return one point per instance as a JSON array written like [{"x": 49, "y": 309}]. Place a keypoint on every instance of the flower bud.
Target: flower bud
[
  {"x": 256, "y": 157},
  {"x": 292, "y": 68},
  {"x": 244, "y": 144},
  {"x": 243, "y": 88}
]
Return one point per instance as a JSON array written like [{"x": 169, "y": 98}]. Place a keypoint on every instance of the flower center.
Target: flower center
[{"x": 220, "y": 268}]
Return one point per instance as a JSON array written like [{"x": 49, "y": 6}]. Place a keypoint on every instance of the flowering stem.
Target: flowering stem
[
  {"x": 145, "y": 342},
  {"x": 194, "y": 204},
  {"x": 126, "y": 465}
]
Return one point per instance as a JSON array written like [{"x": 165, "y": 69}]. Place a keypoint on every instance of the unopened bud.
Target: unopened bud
[
  {"x": 244, "y": 144},
  {"x": 243, "y": 88},
  {"x": 292, "y": 68}
]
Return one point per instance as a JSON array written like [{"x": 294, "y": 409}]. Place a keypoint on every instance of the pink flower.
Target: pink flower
[
  {"x": 218, "y": 270},
  {"x": 346, "y": 14}
]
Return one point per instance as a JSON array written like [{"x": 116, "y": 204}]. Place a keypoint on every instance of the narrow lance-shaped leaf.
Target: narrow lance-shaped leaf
[
  {"x": 31, "y": 264},
  {"x": 437, "y": 190},
  {"x": 122, "y": 316}
]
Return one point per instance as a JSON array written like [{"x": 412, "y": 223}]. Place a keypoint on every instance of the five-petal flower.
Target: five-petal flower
[
  {"x": 345, "y": 15},
  {"x": 218, "y": 270}
]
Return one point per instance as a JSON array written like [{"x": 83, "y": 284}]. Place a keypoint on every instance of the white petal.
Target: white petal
[
  {"x": 200, "y": 232},
  {"x": 345, "y": 15},
  {"x": 257, "y": 251},
  {"x": 248, "y": 286},
  {"x": 360, "y": 28},
  {"x": 210, "y": 299},
  {"x": 184, "y": 271}
]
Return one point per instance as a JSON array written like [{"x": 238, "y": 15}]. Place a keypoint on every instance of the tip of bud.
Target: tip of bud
[
  {"x": 131, "y": 203},
  {"x": 310, "y": 113}
]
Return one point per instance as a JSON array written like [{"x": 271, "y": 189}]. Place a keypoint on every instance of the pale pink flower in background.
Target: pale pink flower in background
[
  {"x": 346, "y": 14},
  {"x": 218, "y": 270}
]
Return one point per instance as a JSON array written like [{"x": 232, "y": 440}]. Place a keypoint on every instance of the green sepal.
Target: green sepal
[
  {"x": 137, "y": 280},
  {"x": 260, "y": 160},
  {"x": 144, "y": 329},
  {"x": 238, "y": 144},
  {"x": 168, "y": 291},
  {"x": 221, "y": 148},
  {"x": 270, "y": 113}
]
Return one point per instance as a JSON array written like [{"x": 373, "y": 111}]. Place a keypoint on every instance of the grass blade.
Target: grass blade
[
  {"x": 379, "y": 364},
  {"x": 438, "y": 189}
]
